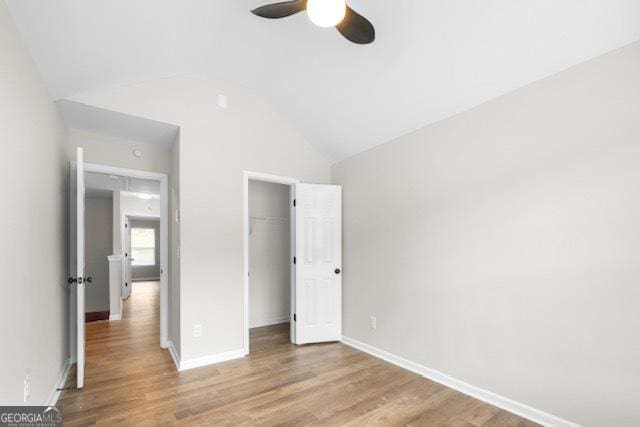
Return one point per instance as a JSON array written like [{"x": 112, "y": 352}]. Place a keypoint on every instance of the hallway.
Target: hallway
[{"x": 121, "y": 359}]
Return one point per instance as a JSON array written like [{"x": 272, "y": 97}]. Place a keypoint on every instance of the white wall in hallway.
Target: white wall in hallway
[
  {"x": 33, "y": 253},
  {"x": 270, "y": 259}
]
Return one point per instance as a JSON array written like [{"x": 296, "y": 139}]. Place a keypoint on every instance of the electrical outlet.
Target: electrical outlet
[
  {"x": 27, "y": 388},
  {"x": 222, "y": 101},
  {"x": 197, "y": 331},
  {"x": 373, "y": 322}
]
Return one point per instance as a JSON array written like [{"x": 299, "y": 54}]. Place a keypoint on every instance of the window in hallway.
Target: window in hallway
[{"x": 143, "y": 246}]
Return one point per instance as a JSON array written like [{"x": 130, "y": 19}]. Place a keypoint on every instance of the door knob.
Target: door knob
[
  {"x": 337, "y": 271},
  {"x": 71, "y": 280}
]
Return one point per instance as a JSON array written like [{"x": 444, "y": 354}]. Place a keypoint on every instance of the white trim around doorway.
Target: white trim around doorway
[{"x": 164, "y": 234}]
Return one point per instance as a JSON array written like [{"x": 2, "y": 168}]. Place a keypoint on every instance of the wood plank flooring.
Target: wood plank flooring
[{"x": 131, "y": 381}]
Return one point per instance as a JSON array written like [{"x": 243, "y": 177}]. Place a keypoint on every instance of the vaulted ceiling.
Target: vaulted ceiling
[{"x": 431, "y": 59}]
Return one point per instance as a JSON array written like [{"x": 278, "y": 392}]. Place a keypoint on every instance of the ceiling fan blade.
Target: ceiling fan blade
[
  {"x": 280, "y": 10},
  {"x": 356, "y": 28}
]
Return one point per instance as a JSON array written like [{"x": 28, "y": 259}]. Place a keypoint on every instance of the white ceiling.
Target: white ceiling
[
  {"x": 431, "y": 59},
  {"x": 88, "y": 117}
]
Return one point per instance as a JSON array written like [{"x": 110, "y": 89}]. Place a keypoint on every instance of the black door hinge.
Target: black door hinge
[
  {"x": 294, "y": 317},
  {"x": 294, "y": 260},
  {"x": 294, "y": 202}
]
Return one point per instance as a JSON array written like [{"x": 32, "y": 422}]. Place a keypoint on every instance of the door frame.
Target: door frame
[
  {"x": 164, "y": 234},
  {"x": 291, "y": 183},
  {"x": 76, "y": 309}
]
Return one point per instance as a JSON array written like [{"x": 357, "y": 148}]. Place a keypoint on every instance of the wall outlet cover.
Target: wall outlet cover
[
  {"x": 222, "y": 101},
  {"x": 197, "y": 331}
]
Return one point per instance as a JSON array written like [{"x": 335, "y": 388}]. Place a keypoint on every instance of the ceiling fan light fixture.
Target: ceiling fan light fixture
[{"x": 326, "y": 13}]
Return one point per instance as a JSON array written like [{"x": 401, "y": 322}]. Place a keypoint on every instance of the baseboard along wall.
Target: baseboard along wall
[
  {"x": 269, "y": 322},
  {"x": 59, "y": 384},
  {"x": 197, "y": 362},
  {"x": 494, "y": 399}
]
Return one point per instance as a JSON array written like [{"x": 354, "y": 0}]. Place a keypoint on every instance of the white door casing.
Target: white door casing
[
  {"x": 318, "y": 238},
  {"x": 77, "y": 294},
  {"x": 127, "y": 286}
]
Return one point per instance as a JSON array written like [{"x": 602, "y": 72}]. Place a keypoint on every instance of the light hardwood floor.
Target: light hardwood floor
[{"x": 131, "y": 381}]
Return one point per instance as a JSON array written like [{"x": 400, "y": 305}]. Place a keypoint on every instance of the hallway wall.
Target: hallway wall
[
  {"x": 98, "y": 232},
  {"x": 33, "y": 254}
]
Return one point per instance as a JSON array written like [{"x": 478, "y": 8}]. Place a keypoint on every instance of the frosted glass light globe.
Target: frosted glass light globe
[{"x": 326, "y": 13}]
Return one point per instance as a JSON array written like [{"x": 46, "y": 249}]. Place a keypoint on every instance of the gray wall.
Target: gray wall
[
  {"x": 142, "y": 272},
  {"x": 33, "y": 254},
  {"x": 502, "y": 246},
  {"x": 98, "y": 245},
  {"x": 269, "y": 260}
]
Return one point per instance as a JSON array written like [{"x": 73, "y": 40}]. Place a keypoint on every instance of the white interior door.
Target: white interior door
[
  {"x": 126, "y": 286},
  {"x": 77, "y": 259},
  {"x": 318, "y": 263}
]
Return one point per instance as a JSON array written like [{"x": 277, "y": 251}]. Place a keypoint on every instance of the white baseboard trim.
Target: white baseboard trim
[
  {"x": 60, "y": 382},
  {"x": 494, "y": 399},
  {"x": 197, "y": 362},
  {"x": 269, "y": 322},
  {"x": 115, "y": 317},
  {"x": 174, "y": 355}
]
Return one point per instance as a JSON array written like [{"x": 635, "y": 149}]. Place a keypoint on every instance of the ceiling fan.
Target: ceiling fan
[{"x": 325, "y": 13}]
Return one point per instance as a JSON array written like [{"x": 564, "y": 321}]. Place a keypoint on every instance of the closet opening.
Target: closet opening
[{"x": 269, "y": 261}]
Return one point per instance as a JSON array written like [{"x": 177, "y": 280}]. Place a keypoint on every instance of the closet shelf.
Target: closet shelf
[{"x": 269, "y": 219}]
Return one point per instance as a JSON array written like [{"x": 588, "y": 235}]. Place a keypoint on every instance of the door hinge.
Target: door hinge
[
  {"x": 294, "y": 202},
  {"x": 294, "y": 260},
  {"x": 126, "y": 225},
  {"x": 294, "y": 317}
]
